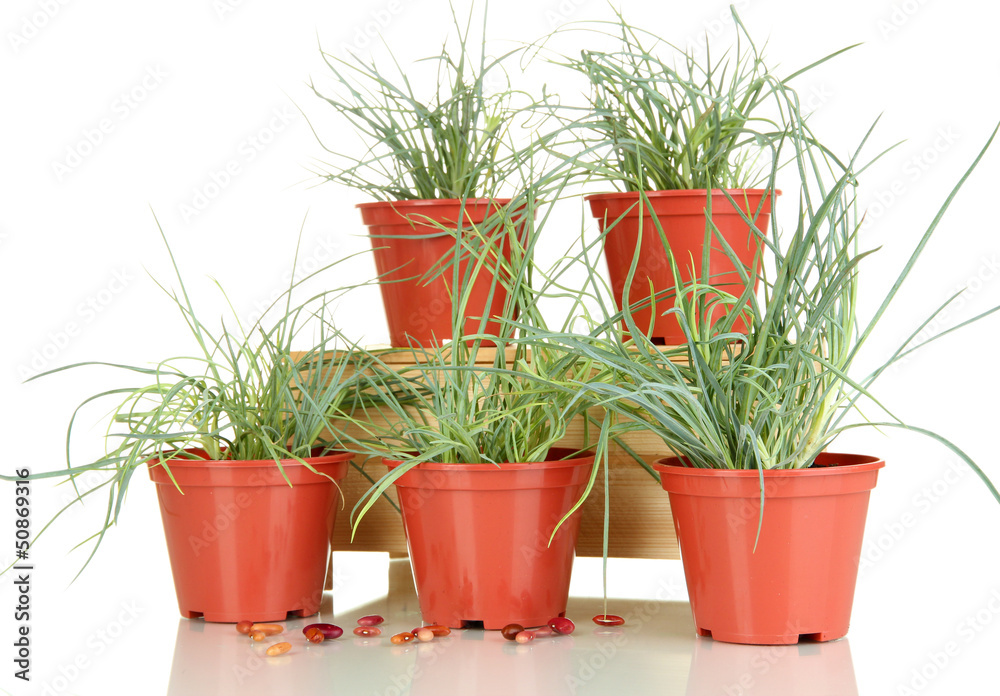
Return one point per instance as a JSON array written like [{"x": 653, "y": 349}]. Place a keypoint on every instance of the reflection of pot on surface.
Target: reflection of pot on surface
[
  {"x": 482, "y": 662},
  {"x": 214, "y": 659},
  {"x": 817, "y": 669}
]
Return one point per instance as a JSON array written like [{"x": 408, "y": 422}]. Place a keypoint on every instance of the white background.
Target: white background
[{"x": 209, "y": 79}]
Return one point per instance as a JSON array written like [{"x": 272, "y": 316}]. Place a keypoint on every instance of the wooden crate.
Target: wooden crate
[{"x": 640, "y": 527}]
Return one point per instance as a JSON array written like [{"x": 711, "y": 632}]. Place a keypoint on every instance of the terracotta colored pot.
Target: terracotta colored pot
[
  {"x": 417, "y": 310},
  {"x": 478, "y": 537},
  {"x": 682, "y": 216},
  {"x": 800, "y": 579},
  {"x": 244, "y": 544}
]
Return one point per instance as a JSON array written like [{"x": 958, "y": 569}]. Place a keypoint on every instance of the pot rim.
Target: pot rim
[
  {"x": 427, "y": 202},
  {"x": 857, "y": 462},
  {"x": 586, "y": 457},
  {"x": 332, "y": 458},
  {"x": 676, "y": 193}
]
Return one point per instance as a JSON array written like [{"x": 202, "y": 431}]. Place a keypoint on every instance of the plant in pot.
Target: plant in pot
[
  {"x": 489, "y": 499},
  {"x": 231, "y": 437},
  {"x": 769, "y": 522},
  {"x": 684, "y": 145},
  {"x": 438, "y": 162}
]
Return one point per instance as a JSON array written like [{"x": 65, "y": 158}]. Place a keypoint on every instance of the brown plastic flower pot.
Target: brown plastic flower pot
[
  {"x": 478, "y": 538},
  {"x": 682, "y": 217},
  {"x": 408, "y": 241},
  {"x": 243, "y": 544},
  {"x": 799, "y": 580}
]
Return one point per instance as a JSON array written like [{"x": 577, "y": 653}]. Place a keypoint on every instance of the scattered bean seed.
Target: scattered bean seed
[
  {"x": 608, "y": 620},
  {"x": 525, "y": 636},
  {"x": 329, "y": 631},
  {"x": 370, "y": 620},
  {"x": 437, "y": 629},
  {"x": 268, "y": 629},
  {"x": 401, "y": 638},
  {"x": 258, "y": 636},
  {"x": 244, "y": 627},
  {"x": 278, "y": 649},
  {"x": 561, "y": 624},
  {"x": 545, "y": 632},
  {"x": 313, "y": 634},
  {"x": 425, "y": 635},
  {"x": 367, "y": 631},
  {"x": 511, "y": 630}
]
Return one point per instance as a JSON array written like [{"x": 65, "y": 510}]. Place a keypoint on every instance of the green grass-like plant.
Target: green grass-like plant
[
  {"x": 244, "y": 394},
  {"x": 775, "y": 397},
  {"x": 456, "y": 142},
  {"x": 652, "y": 124}
]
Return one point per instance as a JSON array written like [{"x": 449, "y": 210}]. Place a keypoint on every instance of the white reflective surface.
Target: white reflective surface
[
  {"x": 107, "y": 640},
  {"x": 656, "y": 650}
]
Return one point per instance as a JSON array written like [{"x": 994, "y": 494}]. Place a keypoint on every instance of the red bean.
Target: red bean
[
  {"x": 510, "y": 631},
  {"x": 561, "y": 624},
  {"x": 525, "y": 636},
  {"x": 244, "y": 627},
  {"x": 545, "y": 632},
  {"x": 370, "y": 620},
  {"x": 401, "y": 638},
  {"x": 367, "y": 631},
  {"x": 278, "y": 649},
  {"x": 608, "y": 620},
  {"x": 329, "y": 631}
]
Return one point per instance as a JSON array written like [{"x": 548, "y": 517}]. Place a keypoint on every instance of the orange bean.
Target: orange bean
[
  {"x": 404, "y": 637},
  {"x": 268, "y": 629},
  {"x": 258, "y": 636},
  {"x": 278, "y": 649},
  {"x": 425, "y": 635},
  {"x": 367, "y": 631}
]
